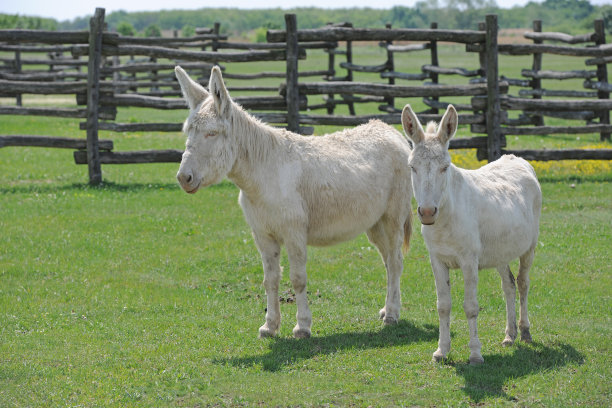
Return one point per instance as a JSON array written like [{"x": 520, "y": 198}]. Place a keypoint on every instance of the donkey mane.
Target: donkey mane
[
  {"x": 432, "y": 127},
  {"x": 254, "y": 137}
]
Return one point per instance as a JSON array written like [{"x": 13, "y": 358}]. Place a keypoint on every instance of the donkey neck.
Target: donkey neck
[{"x": 256, "y": 144}]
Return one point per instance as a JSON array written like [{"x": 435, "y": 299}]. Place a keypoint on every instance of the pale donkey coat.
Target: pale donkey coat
[
  {"x": 297, "y": 191},
  {"x": 473, "y": 219}
]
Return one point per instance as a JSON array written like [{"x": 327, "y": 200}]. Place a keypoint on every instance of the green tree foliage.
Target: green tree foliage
[
  {"x": 607, "y": 18},
  {"x": 8, "y": 21},
  {"x": 152, "y": 31},
  {"x": 188, "y": 31},
  {"x": 570, "y": 16},
  {"x": 125, "y": 28}
]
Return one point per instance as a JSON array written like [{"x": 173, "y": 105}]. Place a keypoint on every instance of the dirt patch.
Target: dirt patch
[{"x": 513, "y": 36}]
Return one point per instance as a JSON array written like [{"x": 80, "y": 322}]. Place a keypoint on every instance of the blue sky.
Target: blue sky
[{"x": 69, "y": 9}]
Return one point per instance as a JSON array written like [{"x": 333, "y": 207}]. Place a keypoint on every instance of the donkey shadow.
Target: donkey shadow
[
  {"x": 491, "y": 378},
  {"x": 481, "y": 382},
  {"x": 287, "y": 351}
]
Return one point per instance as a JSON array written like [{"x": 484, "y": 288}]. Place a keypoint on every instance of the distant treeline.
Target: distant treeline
[
  {"x": 28, "y": 23},
  {"x": 568, "y": 16}
]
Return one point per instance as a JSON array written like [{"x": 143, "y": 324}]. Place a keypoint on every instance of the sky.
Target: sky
[{"x": 69, "y": 9}]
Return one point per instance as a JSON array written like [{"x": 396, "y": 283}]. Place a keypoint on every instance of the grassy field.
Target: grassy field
[{"x": 137, "y": 294}]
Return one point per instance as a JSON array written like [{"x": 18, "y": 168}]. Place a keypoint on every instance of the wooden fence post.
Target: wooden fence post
[
  {"x": 391, "y": 68},
  {"x": 293, "y": 96},
  {"x": 331, "y": 69},
  {"x": 96, "y": 26},
  {"x": 536, "y": 83},
  {"x": 349, "y": 72},
  {"x": 18, "y": 100},
  {"x": 493, "y": 104},
  {"x": 482, "y": 61},
  {"x": 602, "y": 76},
  {"x": 215, "y": 41},
  {"x": 434, "y": 61}
]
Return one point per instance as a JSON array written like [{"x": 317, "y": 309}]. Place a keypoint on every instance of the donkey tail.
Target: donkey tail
[{"x": 407, "y": 232}]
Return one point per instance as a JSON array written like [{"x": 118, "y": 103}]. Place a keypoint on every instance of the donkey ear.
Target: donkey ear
[
  {"x": 193, "y": 92},
  {"x": 412, "y": 126},
  {"x": 219, "y": 92},
  {"x": 448, "y": 125}
]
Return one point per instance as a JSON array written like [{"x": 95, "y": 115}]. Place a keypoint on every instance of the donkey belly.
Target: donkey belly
[
  {"x": 510, "y": 237},
  {"x": 455, "y": 245},
  {"x": 502, "y": 248},
  {"x": 341, "y": 224},
  {"x": 328, "y": 222}
]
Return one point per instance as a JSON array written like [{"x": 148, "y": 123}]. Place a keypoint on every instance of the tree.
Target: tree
[
  {"x": 607, "y": 18},
  {"x": 152, "y": 31},
  {"x": 126, "y": 29},
  {"x": 31, "y": 23},
  {"x": 188, "y": 31}
]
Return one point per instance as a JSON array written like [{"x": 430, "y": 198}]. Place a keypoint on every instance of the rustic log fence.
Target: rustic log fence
[
  {"x": 575, "y": 105},
  {"x": 385, "y": 94},
  {"x": 146, "y": 80},
  {"x": 52, "y": 73}
]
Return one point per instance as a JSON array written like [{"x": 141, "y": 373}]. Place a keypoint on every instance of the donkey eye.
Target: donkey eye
[
  {"x": 444, "y": 169},
  {"x": 211, "y": 134}
]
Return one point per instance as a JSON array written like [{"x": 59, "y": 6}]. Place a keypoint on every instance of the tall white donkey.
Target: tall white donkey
[
  {"x": 298, "y": 191},
  {"x": 473, "y": 219}
]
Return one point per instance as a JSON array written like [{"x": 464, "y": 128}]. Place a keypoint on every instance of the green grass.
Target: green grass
[{"x": 137, "y": 294}]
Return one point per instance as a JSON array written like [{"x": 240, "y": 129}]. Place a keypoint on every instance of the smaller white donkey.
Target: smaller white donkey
[
  {"x": 297, "y": 191},
  {"x": 473, "y": 219}
]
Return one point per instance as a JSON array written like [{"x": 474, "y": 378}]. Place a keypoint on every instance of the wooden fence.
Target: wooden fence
[
  {"x": 590, "y": 108},
  {"x": 111, "y": 82}
]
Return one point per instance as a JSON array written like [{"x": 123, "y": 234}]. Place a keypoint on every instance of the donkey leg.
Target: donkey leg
[
  {"x": 297, "y": 263},
  {"x": 393, "y": 301},
  {"x": 391, "y": 254},
  {"x": 470, "y": 306},
  {"x": 509, "y": 289},
  {"x": 442, "y": 278},
  {"x": 523, "y": 286},
  {"x": 270, "y": 255}
]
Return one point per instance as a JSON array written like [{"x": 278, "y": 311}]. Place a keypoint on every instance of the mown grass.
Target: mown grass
[{"x": 136, "y": 294}]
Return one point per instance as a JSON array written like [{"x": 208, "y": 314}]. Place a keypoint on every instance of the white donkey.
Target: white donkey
[
  {"x": 298, "y": 191},
  {"x": 473, "y": 219}
]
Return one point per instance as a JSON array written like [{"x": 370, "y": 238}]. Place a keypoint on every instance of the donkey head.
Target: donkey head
[
  {"x": 429, "y": 160},
  {"x": 210, "y": 152}
]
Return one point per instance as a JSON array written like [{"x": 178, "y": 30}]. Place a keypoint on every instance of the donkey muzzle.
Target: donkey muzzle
[
  {"x": 188, "y": 182},
  {"x": 427, "y": 215}
]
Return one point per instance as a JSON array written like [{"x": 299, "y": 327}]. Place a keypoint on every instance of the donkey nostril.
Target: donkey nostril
[
  {"x": 427, "y": 211},
  {"x": 184, "y": 178}
]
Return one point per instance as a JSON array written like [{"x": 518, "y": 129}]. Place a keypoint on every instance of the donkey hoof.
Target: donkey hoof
[
  {"x": 265, "y": 332},
  {"x": 508, "y": 341},
  {"x": 526, "y": 336},
  {"x": 388, "y": 320},
  {"x": 438, "y": 356},
  {"x": 301, "y": 333},
  {"x": 476, "y": 360}
]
